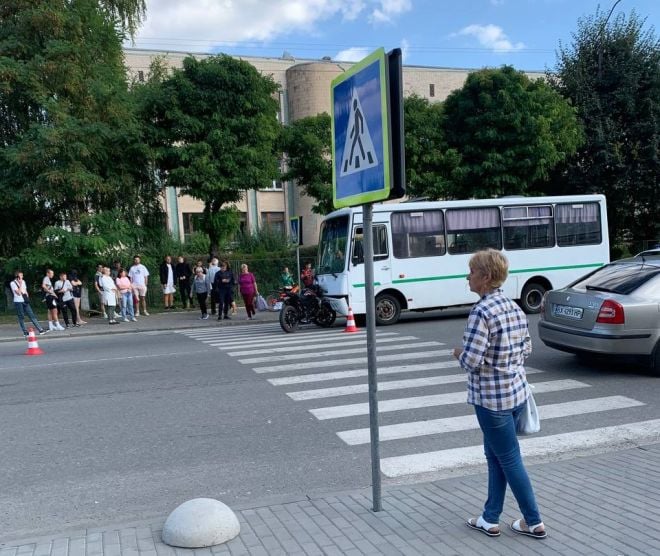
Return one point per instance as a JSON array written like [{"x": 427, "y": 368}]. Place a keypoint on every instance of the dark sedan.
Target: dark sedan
[{"x": 614, "y": 310}]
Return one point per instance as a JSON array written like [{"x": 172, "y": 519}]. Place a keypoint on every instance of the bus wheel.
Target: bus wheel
[
  {"x": 388, "y": 309},
  {"x": 531, "y": 297}
]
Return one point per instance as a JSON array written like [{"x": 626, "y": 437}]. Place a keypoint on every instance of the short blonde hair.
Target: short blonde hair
[{"x": 490, "y": 262}]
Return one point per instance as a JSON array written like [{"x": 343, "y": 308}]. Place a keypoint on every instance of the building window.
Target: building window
[
  {"x": 431, "y": 90},
  {"x": 276, "y": 185},
  {"x": 141, "y": 76},
  {"x": 192, "y": 223},
  {"x": 273, "y": 221}
]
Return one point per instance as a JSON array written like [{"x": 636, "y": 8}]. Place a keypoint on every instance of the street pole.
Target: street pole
[
  {"x": 600, "y": 40},
  {"x": 367, "y": 219}
]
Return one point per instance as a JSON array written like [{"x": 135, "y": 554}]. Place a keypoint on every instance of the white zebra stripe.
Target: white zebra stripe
[
  {"x": 399, "y": 404},
  {"x": 338, "y": 352},
  {"x": 382, "y": 386},
  {"x": 309, "y": 346},
  {"x": 469, "y": 422},
  {"x": 352, "y": 361},
  {"x": 631, "y": 434}
]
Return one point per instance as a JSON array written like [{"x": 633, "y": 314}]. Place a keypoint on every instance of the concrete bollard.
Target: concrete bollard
[{"x": 199, "y": 523}]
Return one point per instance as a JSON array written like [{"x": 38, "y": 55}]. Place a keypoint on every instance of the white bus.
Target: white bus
[{"x": 422, "y": 249}]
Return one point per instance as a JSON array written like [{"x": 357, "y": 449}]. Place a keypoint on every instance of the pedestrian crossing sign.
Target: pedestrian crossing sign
[{"x": 361, "y": 151}]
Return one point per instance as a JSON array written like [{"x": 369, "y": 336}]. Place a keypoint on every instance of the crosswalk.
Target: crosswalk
[{"x": 421, "y": 395}]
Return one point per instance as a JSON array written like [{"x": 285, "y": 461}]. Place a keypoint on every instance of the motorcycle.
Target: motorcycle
[{"x": 305, "y": 307}]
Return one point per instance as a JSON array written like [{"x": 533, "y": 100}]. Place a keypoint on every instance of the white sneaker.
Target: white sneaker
[
  {"x": 126, "y": 319},
  {"x": 145, "y": 313},
  {"x": 105, "y": 316},
  {"x": 133, "y": 319},
  {"x": 51, "y": 326},
  {"x": 60, "y": 327},
  {"x": 137, "y": 313}
]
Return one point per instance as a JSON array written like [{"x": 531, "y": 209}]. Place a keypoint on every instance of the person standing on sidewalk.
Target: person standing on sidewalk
[
  {"x": 201, "y": 289},
  {"x": 109, "y": 295},
  {"x": 139, "y": 276},
  {"x": 64, "y": 290},
  {"x": 51, "y": 300},
  {"x": 223, "y": 284},
  {"x": 77, "y": 293},
  {"x": 184, "y": 274},
  {"x": 22, "y": 304},
  {"x": 210, "y": 281},
  {"x": 168, "y": 278},
  {"x": 125, "y": 296},
  {"x": 99, "y": 290},
  {"x": 496, "y": 343},
  {"x": 247, "y": 285}
]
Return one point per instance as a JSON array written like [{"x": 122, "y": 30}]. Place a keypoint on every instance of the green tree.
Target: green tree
[
  {"x": 69, "y": 141},
  {"x": 509, "y": 132},
  {"x": 213, "y": 127},
  {"x": 428, "y": 160},
  {"x": 307, "y": 144},
  {"x": 611, "y": 73}
]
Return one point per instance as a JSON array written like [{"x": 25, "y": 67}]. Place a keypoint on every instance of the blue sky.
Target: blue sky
[{"x": 445, "y": 33}]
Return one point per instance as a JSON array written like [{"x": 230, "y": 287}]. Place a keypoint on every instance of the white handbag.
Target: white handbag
[{"x": 529, "y": 421}]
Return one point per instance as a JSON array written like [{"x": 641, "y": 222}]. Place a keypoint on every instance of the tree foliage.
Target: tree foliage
[
  {"x": 611, "y": 73},
  {"x": 428, "y": 160},
  {"x": 213, "y": 127},
  {"x": 69, "y": 141},
  {"x": 307, "y": 144},
  {"x": 509, "y": 131}
]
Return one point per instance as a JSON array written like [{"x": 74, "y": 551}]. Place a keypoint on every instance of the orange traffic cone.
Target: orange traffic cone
[
  {"x": 33, "y": 346},
  {"x": 350, "y": 322}
]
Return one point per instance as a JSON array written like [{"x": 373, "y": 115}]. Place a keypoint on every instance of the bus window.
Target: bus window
[
  {"x": 380, "y": 244},
  {"x": 578, "y": 224},
  {"x": 528, "y": 227},
  {"x": 418, "y": 234},
  {"x": 332, "y": 245},
  {"x": 472, "y": 229}
]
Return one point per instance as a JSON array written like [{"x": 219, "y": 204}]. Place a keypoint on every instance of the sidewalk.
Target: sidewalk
[
  {"x": 602, "y": 504},
  {"x": 172, "y": 320}
]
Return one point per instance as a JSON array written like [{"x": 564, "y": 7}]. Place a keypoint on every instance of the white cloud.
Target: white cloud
[
  {"x": 353, "y": 54},
  {"x": 388, "y": 9},
  {"x": 492, "y": 37},
  {"x": 199, "y": 25}
]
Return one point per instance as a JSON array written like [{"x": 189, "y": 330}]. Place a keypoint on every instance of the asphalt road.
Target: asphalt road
[{"x": 116, "y": 428}]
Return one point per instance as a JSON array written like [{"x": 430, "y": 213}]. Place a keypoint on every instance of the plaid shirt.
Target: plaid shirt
[{"x": 496, "y": 343}]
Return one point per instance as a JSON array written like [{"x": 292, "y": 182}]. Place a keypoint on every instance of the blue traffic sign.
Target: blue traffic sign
[{"x": 361, "y": 157}]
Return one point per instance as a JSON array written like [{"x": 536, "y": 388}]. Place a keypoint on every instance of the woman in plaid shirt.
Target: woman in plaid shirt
[{"x": 496, "y": 343}]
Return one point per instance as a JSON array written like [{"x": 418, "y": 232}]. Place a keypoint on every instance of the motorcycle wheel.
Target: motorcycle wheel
[
  {"x": 326, "y": 317},
  {"x": 289, "y": 320}
]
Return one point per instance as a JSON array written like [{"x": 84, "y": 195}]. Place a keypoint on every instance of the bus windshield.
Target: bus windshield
[{"x": 332, "y": 245}]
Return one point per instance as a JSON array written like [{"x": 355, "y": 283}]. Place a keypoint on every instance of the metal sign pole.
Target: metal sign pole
[
  {"x": 367, "y": 219},
  {"x": 298, "y": 261}
]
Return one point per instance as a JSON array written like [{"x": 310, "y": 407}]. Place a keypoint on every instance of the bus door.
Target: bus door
[{"x": 382, "y": 264}]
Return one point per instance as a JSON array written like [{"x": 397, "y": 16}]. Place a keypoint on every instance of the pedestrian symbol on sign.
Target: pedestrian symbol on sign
[{"x": 359, "y": 153}]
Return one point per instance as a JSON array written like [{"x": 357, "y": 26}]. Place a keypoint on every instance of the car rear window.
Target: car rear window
[{"x": 618, "y": 278}]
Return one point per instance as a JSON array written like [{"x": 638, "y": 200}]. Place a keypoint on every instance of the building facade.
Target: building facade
[{"x": 304, "y": 91}]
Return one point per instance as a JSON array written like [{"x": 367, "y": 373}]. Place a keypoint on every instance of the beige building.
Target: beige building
[{"x": 304, "y": 91}]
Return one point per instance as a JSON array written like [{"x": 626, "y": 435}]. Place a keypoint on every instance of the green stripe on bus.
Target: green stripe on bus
[{"x": 453, "y": 276}]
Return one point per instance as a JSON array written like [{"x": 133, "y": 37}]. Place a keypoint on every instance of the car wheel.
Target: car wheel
[
  {"x": 532, "y": 297},
  {"x": 388, "y": 309},
  {"x": 655, "y": 360}
]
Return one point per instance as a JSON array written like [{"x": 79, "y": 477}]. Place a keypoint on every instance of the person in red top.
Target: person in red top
[
  {"x": 307, "y": 275},
  {"x": 247, "y": 285}
]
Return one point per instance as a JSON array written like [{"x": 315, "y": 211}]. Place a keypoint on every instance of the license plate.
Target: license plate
[{"x": 567, "y": 312}]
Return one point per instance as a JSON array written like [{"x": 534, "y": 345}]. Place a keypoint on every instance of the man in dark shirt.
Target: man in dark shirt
[{"x": 184, "y": 274}]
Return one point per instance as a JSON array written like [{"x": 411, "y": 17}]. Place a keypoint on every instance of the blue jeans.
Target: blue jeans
[
  {"x": 127, "y": 305},
  {"x": 505, "y": 465},
  {"x": 23, "y": 309}
]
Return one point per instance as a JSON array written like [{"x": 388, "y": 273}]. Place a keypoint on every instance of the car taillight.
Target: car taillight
[
  {"x": 611, "y": 312},
  {"x": 545, "y": 296}
]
